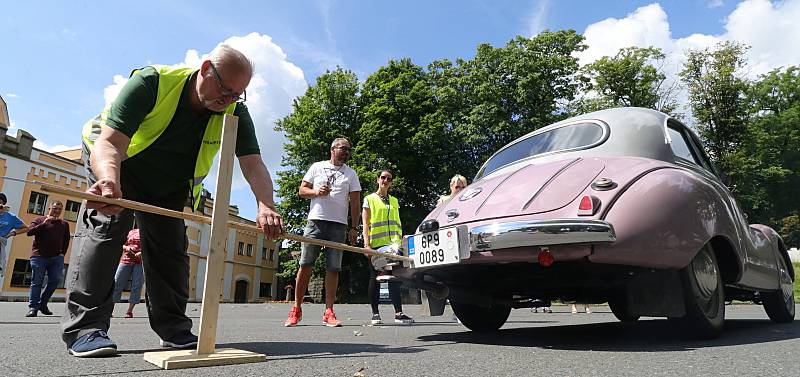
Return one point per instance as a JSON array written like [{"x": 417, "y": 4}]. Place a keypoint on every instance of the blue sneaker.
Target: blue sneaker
[
  {"x": 93, "y": 344},
  {"x": 181, "y": 340}
]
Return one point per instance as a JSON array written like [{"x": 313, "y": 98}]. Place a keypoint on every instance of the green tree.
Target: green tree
[
  {"x": 768, "y": 165},
  {"x": 400, "y": 130},
  {"x": 633, "y": 77},
  {"x": 504, "y": 93},
  {"x": 717, "y": 87}
]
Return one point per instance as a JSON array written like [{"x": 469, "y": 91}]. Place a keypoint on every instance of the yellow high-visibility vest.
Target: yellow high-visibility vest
[
  {"x": 171, "y": 80},
  {"x": 384, "y": 221}
]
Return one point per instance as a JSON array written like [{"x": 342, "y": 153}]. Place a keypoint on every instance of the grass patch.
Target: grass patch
[{"x": 796, "y": 282}]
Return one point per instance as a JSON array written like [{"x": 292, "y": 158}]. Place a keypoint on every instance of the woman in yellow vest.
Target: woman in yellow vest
[{"x": 382, "y": 228}]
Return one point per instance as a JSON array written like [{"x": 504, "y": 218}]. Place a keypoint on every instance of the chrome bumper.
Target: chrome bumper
[{"x": 539, "y": 233}]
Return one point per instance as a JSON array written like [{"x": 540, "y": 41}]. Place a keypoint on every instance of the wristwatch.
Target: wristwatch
[{"x": 13, "y": 232}]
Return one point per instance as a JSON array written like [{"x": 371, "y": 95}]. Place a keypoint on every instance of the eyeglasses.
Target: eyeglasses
[
  {"x": 386, "y": 178},
  {"x": 343, "y": 149},
  {"x": 227, "y": 93}
]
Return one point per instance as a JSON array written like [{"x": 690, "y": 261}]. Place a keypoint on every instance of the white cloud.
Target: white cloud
[
  {"x": 324, "y": 7},
  {"x": 769, "y": 28},
  {"x": 538, "y": 17},
  {"x": 647, "y": 26},
  {"x": 53, "y": 148},
  {"x": 12, "y": 95},
  {"x": 715, "y": 3},
  {"x": 112, "y": 91},
  {"x": 275, "y": 83}
]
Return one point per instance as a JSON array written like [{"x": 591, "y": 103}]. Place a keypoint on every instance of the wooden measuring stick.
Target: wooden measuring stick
[{"x": 130, "y": 204}]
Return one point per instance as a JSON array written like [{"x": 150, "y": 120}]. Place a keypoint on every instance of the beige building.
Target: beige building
[{"x": 251, "y": 261}]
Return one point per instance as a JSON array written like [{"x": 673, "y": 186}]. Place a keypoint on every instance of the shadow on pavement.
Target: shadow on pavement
[
  {"x": 307, "y": 350},
  {"x": 34, "y": 322},
  {"x": 656, "y": 335}
]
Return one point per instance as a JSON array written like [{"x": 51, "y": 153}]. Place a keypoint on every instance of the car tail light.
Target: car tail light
[
  {"x": 545, "y": 257},
  {"x": 588, "y": 206}
]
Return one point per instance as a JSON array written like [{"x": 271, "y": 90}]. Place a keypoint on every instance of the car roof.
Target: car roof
[{"x": 632, "y": 132}]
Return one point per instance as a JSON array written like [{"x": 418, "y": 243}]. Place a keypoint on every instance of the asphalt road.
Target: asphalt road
[{"x": 530, "y": 344}]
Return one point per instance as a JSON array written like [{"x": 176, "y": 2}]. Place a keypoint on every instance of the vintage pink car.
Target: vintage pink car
[{"x": 619, "y": 206}]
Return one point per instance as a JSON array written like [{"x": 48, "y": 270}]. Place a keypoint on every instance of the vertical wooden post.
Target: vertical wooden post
[
  {"x": 215, "y": 263},
  {"x": 206, "y": 354}
]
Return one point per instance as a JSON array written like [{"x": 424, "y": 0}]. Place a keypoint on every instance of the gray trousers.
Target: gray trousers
[{"x": 96, "y": 251}]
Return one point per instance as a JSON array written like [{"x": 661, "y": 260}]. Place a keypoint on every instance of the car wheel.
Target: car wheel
[
  {"x": 779, "y": 305},
  {"x": 481, "y": 319},
  {"x": 703, "y": 295},
  {"x": 619, "y": 306}
]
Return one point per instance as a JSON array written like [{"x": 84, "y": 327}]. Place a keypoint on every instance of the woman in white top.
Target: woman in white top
[{"x": 457, "y": 183}]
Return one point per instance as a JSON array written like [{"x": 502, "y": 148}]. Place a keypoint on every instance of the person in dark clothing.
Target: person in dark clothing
[{"x": 50, "y": 242}]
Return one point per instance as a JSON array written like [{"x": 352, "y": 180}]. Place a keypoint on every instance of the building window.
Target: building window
[
  {"x": 263, "y": 253},
  {"x": 271, "y": 255},
  {"x": 37, "y": 203},
  {"x": 22, "y": 274},
  {"x": 71, "y": 210},
  {"x": 265, "y": 290},
  {"x": 240, "y": 250},
  {"x": 249, "y": 250}
]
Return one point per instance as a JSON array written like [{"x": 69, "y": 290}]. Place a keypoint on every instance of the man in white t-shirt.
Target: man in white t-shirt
[{"x": 333, "y": 188}]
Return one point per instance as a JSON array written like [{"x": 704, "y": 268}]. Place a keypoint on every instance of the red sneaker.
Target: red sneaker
[
  {"x": 329, "y": 319},
  {"x": 295, "y": 315}
]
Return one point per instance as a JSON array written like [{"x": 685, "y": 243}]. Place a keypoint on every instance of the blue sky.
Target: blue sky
[{"x": 62, "y": 60}]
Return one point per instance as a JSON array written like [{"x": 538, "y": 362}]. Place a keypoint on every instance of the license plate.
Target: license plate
[{"x": 434, "y": 248}]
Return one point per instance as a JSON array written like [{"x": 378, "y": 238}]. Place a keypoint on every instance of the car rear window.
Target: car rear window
[{"x": 573, "y": 136}]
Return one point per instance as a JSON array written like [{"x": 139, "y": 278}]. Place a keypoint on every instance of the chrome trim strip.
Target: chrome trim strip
[{"x": 540, "y": 233}]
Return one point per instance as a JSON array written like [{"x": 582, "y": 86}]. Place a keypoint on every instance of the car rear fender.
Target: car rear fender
[
  {"x": 662, "y": 219},
  {"x": 776, "y": 246},
  {"x": 730, "y": 265}
]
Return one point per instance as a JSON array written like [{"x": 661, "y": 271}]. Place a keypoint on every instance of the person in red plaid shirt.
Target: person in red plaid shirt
[{"x": 130, "y": 268}]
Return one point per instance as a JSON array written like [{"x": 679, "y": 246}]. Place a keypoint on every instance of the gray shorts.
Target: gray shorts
[{"x": 323, "y": 230}]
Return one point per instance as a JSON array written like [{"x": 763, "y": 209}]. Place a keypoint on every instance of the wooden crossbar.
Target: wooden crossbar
[{"x": 130, "y": 204}]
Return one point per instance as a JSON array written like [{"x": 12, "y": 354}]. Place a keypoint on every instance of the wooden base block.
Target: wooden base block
[{"x": 190, "y": 359}]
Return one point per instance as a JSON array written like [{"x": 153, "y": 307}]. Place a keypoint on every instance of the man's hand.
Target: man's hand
[
  {"x": 270, "y": 222},
  {"x": 323, "y": 190},
  {"x": 352, "y": 235},
  {"x": 106, "y": 188}
]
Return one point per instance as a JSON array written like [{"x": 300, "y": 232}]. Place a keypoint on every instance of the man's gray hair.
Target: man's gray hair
[
  {"x": 337, "y": 140},
  {"x": 231, "y": 59}
]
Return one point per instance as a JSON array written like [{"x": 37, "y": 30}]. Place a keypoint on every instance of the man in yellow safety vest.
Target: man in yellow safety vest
[{"x": 154, "y": 144}]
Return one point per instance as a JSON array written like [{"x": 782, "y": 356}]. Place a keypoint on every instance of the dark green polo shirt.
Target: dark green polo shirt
[{"x": 160, "y": 173}]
